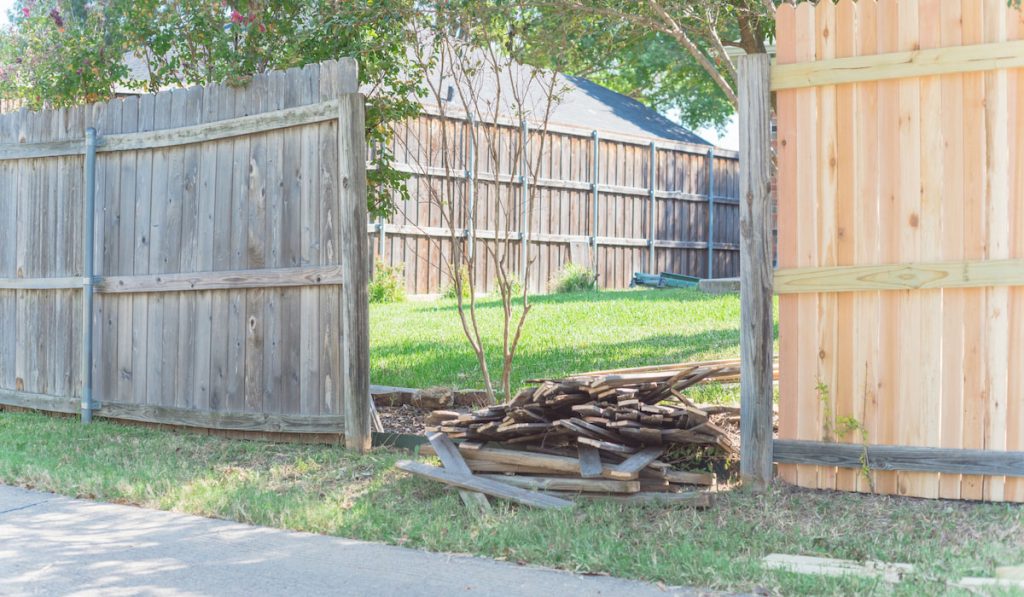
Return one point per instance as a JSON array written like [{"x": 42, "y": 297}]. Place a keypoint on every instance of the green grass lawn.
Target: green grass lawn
[
  {"x": 421, "y": 344},
  {"x": 324, "y": 489}
]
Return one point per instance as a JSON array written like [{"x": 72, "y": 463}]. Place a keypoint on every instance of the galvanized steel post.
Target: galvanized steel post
[
  {"x": 470, "y": 187},
  {"x": 88, "y": 239},
  {"x": 524, "y": 215},
  {"x": 593, "y": 231},
  {"x": 653, "y": 169}
]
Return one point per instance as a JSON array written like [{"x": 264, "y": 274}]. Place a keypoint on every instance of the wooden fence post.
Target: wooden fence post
[
  {"x": 756, "y": 329},
  {"x": 354, "y": 252}
]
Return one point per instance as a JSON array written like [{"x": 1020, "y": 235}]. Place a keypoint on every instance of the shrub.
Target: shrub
[
  {"x": 573, "y": 278},
  {"x": 449, "y": 291},
  {"x": 514, "y": 282},
  {"x": 387, "y": 285}
]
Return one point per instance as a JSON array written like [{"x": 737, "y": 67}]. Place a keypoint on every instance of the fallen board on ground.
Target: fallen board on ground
[
  {"x": 832, "y": 567},
  {"x": 488, "y": 486}
]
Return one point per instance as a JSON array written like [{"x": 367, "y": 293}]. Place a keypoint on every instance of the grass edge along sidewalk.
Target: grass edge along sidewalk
[{"x": 324, "y": 489}]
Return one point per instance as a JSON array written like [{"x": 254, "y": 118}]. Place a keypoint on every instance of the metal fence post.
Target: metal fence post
[
  {"x": 88, "y": 272},
  {"x": 711, "y": 212},
  {"x": 593, "y": 231},
  {"x": 651, "y": 207},
  {"x": 524, "y": 221},
  {"x": 470, "y": 190}
]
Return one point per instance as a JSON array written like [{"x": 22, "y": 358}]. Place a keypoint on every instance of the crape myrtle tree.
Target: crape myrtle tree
[
  {"x": 58, "y": 53},
  {"x": 474, "y": 80}
]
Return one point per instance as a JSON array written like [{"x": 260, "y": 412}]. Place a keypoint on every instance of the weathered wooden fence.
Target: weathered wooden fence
[
  {"x": 901, "y": 247},
  {"x": 607, "y": 227},
  {"x": 228, "y": 234}
]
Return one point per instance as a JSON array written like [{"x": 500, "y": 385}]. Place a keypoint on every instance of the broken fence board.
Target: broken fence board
[
  {"x": 488, "y": 486},
  {"x": 590, "y": 462},
  {"x": 452, "y": 460}
]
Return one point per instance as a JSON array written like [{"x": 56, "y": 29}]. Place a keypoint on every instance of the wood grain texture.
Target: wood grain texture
[
  {"x": 208, "y": 248},
  {"x": 453, "y": 461},
  {"x": 899, "y": 65},
  {"x": 756, "y": 339},
  {"x": 901, "y": 458},
  {"x": 900, "y": 292},
  {"x": 487, "y": 486}
]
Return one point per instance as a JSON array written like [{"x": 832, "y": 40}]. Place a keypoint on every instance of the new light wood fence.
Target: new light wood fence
[
  {"x": 656, "y": 206},
  {"x": 229, "y": 250},
  {"x": 901, "y": 235}
]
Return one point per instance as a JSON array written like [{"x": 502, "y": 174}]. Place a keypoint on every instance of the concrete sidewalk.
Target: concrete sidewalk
[{"x": 53, "y": 545}]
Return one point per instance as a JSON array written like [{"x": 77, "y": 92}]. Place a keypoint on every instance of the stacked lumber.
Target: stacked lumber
[
  {"x": 600, "y": 434},
  {"x": 617, "y": 412}
]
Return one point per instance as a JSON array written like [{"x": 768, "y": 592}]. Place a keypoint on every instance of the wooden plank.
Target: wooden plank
[
  {"x": 845, "y": 143},
  {"x": 952, "y": 248},
  {"x": 901, "y": 276},
  {"x": 906, "y": 221},
  {"x": 156, "y": 376},
  {"x": 567, "y": 484},
  {"x": 899, "y": 65},
  {"x": 590, "y": 461},
  {"x": 974, "y": 226},
  {"x": 169, "y": 257},
  {"x": 452, "y": 461},
  {"x": 330, "y": 336},
  {"x": 689, "y": 478},
  {"x": 808, "y": 424},
  {"x": 36, "y": 150},
  {"x": 309, "y": 238},
  {"x": 226, "y": 420},
  {"x": 255, "y": 247},
  {"x": 223, "y": 129},
  {"x": 997, "y": 243},
  {"x": 487, "y": 486},
  {"x": 127, "y": 206},
  {"x": 888, "y": 572},
  {"x": 354, "y": 255},
  {"x": 1014, "y": 488},
  {"x": 178, "y": 416},
  {"x": 142, "y": 241},
  {"x": 235, "y": 279},
  {"x": 756, "y": 341},
  {"x": 882, "y": 424},
  {"x": 188, "y": 367},
  {"x": 639, "y": 461},
  {"x": 66, "y": 282},
  {"x": 901, "y": 458},
  {"x": 695, "y": 499},
  {"x": 788, "y": 235},
  {"x": 205, "y": 235}
]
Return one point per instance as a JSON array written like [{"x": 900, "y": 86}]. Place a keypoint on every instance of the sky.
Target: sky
[{"x": 5, "y": 5}]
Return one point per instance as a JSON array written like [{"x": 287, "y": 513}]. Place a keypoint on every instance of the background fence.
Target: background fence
[
  {"x": 901, "y": 234},
  {"x": 645, "y": 221},
  {"x": 226, "y": 225}
]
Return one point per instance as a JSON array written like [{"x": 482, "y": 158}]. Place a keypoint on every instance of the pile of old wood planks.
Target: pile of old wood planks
[{"x": 598, "y": 434}]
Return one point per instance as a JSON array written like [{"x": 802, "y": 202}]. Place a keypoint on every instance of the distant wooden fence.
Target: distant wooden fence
[
  {"x": 229, "y": 257},
  {"x": 616, "y": 241},
  {"x": 901, "y": 247}
]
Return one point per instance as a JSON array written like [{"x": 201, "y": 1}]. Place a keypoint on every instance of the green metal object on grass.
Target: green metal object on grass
[{"x": 664, "y": 280}]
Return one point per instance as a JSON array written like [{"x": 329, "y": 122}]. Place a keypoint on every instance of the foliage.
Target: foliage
[
  {"x": 669, "y": 54},
  {"x": 513, "y": 287},
  {"x": 64, "y": 52},
  {"x": 451, "y": 291},
  {"x": 388, "y": 283},
  {"x": 573, "y": 278}
]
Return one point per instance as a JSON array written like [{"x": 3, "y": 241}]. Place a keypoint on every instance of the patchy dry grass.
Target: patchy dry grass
[{"x": 324, "y": 489}]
